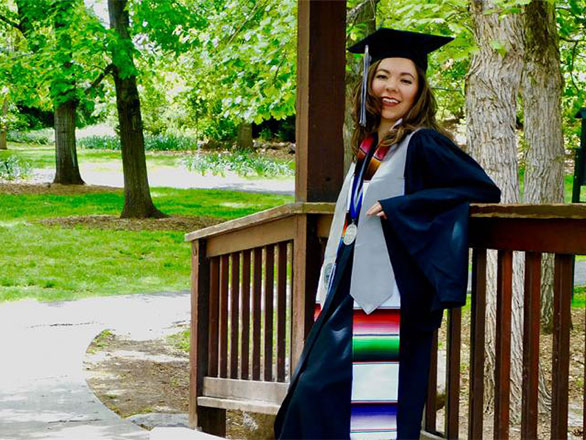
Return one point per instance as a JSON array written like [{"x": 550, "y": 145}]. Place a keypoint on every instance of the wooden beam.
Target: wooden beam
[
  {"x": 268, "y": 392},
  {"x": 198, "y": 356},
  {"x": 321, "y": 57}
]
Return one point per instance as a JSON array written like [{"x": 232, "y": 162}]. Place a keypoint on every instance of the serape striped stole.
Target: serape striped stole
[{"x": 375, "y": 373}]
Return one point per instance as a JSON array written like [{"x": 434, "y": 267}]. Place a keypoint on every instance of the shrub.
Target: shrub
[
  {"x": 151, "y": 143},
  {"x": 13, "y": 168},
  {"x": 243, "y": 163},
  {"x": 43, "y": 137},
  {"x": 168, "y": 142},
  {"x": 100, "y": 143}
]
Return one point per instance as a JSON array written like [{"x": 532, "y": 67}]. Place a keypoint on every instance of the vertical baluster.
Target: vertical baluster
[
  {"x": 431, "y": 401},
  {"x": 453, "y": 373},
  {"x": 268, "y": 312},
  {"x": 245, "y": 351},
  {"x": 290, "y": 327},
  {"x": 224, "y": 279},
  {"x": 503, "y": 345},
  {"x": 561, "y": 345},
  {"x": 234, "y": 313},
  {"x": 531, "y": 322},
  {"x": 256, "y": 312},
  {"x": 477, "y": 341},
  {"x": 214, "y": 312},
  {"x": 281, "y": 309}
]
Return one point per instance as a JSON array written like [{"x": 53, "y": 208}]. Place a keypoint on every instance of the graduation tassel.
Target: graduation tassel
[{"x": 365, "y": 67}]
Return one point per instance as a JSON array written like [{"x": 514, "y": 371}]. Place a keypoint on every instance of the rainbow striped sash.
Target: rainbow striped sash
[{"x": 375, "y": 373}]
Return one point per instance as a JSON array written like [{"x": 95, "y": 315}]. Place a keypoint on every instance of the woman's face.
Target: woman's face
[{"x": 396, "y": 84}]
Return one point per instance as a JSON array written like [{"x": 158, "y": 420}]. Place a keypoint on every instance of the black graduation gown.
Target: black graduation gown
[{"x": 427, "y": 239}]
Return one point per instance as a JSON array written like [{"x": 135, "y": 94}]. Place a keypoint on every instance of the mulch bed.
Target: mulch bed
[
  {"x": 54, "y": 188},
  {"x": 174, "y": 223}
]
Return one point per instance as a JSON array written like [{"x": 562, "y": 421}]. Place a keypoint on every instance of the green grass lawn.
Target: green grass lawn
[
  {"x": 579, "y": 298},
  {"x": 43, "y": 156},
  {"x": 61, "y": 263}
]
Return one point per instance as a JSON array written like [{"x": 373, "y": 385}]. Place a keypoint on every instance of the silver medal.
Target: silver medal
[{"x": 350, "y": 235}]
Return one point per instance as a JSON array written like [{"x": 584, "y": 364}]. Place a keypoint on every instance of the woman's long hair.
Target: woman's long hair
[{"x": 422, "y": 114}]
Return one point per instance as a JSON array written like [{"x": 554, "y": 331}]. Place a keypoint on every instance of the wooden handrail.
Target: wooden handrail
[
  {"x": 572, "y": 211},
  {"x": 260, "y": 218}
]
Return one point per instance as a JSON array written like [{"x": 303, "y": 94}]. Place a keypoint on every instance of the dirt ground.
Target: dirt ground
[
  {"x": 142, "y": 377},
  {"x": 137, "y": 377}
]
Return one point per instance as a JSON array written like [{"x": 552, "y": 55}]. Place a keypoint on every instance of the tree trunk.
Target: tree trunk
[
  {"x": 544, "y": 170},
  {"x": 492, "y": 86},
  {"x": 67, "y": 169},
  {"x": 137, "y": 197},
  {"x": 244, "y": 140},
  {"x": 542, "y": 98},
  {"x": 363, "y": 14},
  {"x": 65, "y": 100},
  {"x": 4, "y": 124}
]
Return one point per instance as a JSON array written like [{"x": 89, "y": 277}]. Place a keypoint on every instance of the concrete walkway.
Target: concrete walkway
[
  {"x": 174, "y": 177},
  {"x": 43, "y": 392}
]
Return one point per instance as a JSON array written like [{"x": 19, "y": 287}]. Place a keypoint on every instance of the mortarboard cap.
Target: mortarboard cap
[{"x": 391, "y": 43}]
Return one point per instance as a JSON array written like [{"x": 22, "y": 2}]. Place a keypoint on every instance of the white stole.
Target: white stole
[{"x": 373, "y": 279}]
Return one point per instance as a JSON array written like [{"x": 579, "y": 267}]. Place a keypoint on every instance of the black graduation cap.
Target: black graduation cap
[{"x": 391, "y": 43}]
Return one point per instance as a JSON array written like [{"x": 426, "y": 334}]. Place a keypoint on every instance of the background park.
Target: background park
[{"x": 126, "y": 124}]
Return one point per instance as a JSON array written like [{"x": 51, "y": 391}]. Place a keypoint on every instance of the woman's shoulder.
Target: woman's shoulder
[
  {"x": 431, "y": 144},
  {"x": 429, "y": 137}
]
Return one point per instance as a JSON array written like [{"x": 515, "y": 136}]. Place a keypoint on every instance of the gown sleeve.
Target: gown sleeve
[{"x": 431, "y": 219}]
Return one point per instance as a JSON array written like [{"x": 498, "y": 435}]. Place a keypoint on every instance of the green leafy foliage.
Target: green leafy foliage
[
  {"x": 14, "y": 168},
  {"x": 238, "y": 64},
  {"x": 243, "y": 163},
  {"x": 166, "y": 142},
  {"x": 40, "y": 137}
]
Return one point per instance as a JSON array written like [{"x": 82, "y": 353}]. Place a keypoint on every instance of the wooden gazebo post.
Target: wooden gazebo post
[{"x": 319, "y": 142}]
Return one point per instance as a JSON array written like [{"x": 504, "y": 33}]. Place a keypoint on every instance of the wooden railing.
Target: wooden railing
[{"x": 254, "y": 281}]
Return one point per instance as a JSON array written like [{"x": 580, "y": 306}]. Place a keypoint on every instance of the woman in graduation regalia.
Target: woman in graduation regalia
[{"x": 396, "y": 257}]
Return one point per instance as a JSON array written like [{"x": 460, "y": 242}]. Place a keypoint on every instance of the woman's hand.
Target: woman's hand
[{"x": 377, "y": 210}]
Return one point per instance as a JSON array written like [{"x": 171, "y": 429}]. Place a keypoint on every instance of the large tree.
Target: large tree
[
  {"x": 64, "y": 89},
  {"x": 542, "y": 88},
  {"x": 57, "y": 65},
  {"x": 137, "y": 197},
  {"x": 492, "y": 87}
]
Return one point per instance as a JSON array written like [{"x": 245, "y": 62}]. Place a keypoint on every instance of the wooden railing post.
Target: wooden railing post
[
  {"x": 199, "y": 335},
  {"x": 561, "y": 346},
  {"x": 209, "y": 419},
  {"x": 477, "y": 341},
  {"x": 321, "y": 60},
  {"x": 503, "y": 345},
  {"x": 307, "y": 263}
]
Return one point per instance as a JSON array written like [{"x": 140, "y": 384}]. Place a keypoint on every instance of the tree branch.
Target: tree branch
[
  {"x": 99, "y": 79},
  {"x": 362, "y": 14},
  {"x": 573, "y": 60},
  {"x": 569, "y": 40},
  {"x": 10, "y": 22},
  {"x": 358, "y": 10},
  {"x": 255, "y": 9}
]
